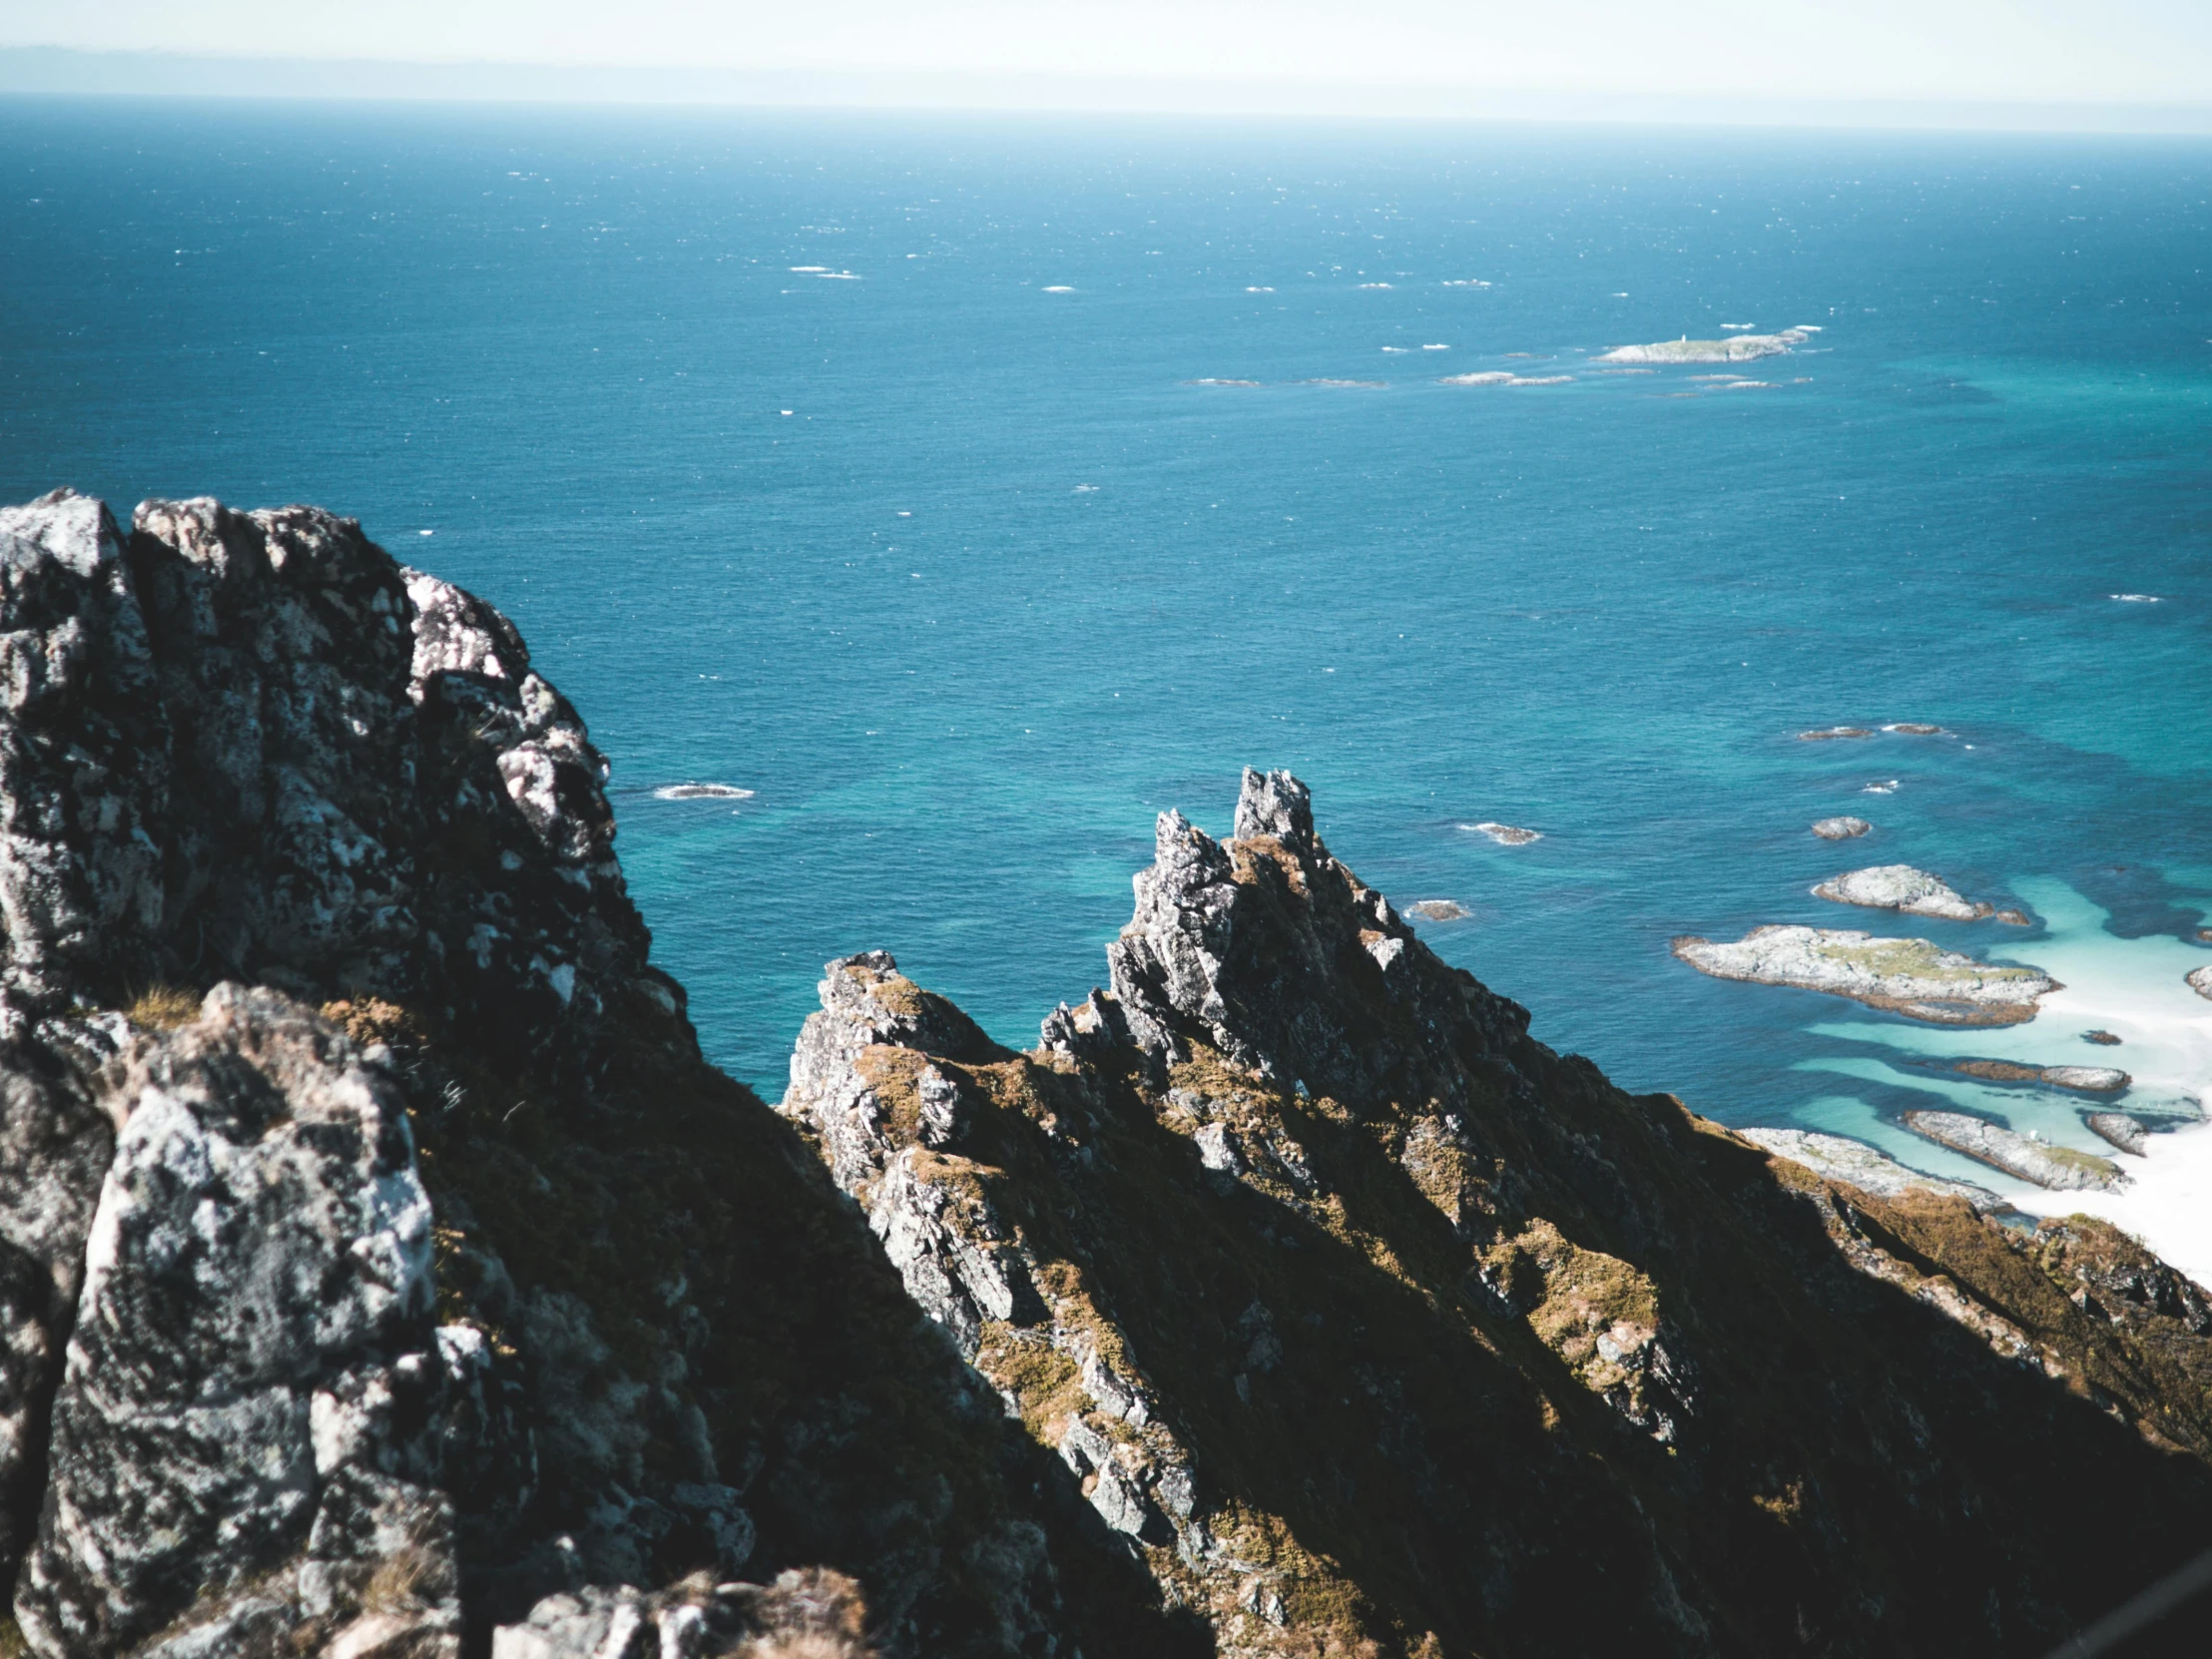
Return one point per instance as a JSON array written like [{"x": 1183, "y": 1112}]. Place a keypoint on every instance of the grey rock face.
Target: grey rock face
[
  {"x": 1841, "y": 829},
  {"x": 253, "y": 746},
  {"x": 813, "y": 1614},
  {"x": 253, "y": 1380},
  {"x": 1184, "y": 967}
]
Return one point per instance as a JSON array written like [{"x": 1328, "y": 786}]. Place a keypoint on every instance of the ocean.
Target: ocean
[{"x": 970, "y": 489}]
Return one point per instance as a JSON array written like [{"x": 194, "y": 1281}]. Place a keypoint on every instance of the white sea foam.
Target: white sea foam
[
  {"x": 810, "y": 269},
  {"x": 1057, "y": 288},
  {"x": 1435, "y": 348},
  {"x": 1477, "y": 283},
  {"x": 702, "y": 791},
  {"x": 1888, "y": 786},
  {"x": 1085, "y": 489},
  {"x": 1374, "y": 285},
  {"x": 2136, "y": 598},
  {"x": 1739, "y": 326},
  {"x": 1258, "y": 290},
  {"x": 2133, "y": 988}
]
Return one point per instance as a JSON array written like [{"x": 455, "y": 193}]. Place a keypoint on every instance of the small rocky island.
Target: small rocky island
[
  {"x": 1901, "y": 887},
  {"x": 2089, "y": 1079},
  {"x": 2200, "y": 981},
  {"x": 2059, "y": 1168},
  {"x": 1439, "y": 910},
  {"x": 1736, "y": 349},
  {"x": 1841, "y": 829},
  {"x": 2125, "y": 1132},
  {"x": 1906, "y": 976}
]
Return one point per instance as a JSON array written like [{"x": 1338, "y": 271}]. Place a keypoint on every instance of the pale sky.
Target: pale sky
[{"x": 2124, "y": 52}]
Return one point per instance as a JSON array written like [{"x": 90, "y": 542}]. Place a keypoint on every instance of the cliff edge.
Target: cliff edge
[{"x": 384, "y": 1275}]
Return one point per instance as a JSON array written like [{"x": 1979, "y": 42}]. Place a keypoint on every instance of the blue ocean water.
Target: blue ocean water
[{"x": 860, "y": 462}]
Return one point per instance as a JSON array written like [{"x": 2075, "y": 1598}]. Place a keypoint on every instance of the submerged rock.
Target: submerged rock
[
  {"x": 2122, "y": 1131},
  {"x": 1439, "y": 910},
  {"x": 1839, "y": 1158},
  {"x": 1899, "y": 887},
  {"x": 1505, "y": 834},
  {"x": 1915, "y": 729},
  {"x": 2103, "y": 1039},
  {"x": 2059, "y": 1168},
  {"x": 1906, "y": 976},
  {"x": 1841, "y": 829},
  {"x": 1827, "y": 733}
]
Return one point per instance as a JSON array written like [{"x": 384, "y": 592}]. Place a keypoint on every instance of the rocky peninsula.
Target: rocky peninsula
[
  {"x": 2059, "y": 1168},
  {"x": 387, "y": 1275},
  {"x": 1901, "y": 887},
  {"x": 1907, "y": 976}
]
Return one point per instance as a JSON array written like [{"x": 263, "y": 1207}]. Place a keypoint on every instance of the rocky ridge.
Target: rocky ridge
[{"x": 387, "y": 1275}]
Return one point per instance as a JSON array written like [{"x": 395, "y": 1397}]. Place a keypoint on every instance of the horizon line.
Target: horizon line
[{"x": 56, "y": 71}]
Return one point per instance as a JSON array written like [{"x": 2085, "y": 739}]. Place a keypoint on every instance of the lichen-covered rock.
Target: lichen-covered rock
[
  {"x": 1308, "y": 1264},
  {"x": 252, "y": 1382},
  {"x": 816, "y": 1614}
]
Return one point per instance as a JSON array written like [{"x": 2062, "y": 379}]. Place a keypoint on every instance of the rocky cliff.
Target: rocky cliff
[{"x": 383, "y": 1273}]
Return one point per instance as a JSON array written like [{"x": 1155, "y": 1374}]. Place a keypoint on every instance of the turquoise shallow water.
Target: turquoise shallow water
[{"x": 777, "y": 440}]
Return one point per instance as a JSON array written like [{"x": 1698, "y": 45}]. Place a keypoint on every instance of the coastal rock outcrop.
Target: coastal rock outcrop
[
  {"x": 254, "y": 753},
  {"x": 1901, "y": 887},
  {"x": 1906, "y": 976},
  {"x": 2060, "y": 1167},
  {"x": 1841, "y": 829},
  {"x": 1839, "y": 1158},
  {"x": 1286, "y": 1240},
  {"x": 2200, "y": 981},
  {"x": 388, "y": 1277}
]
